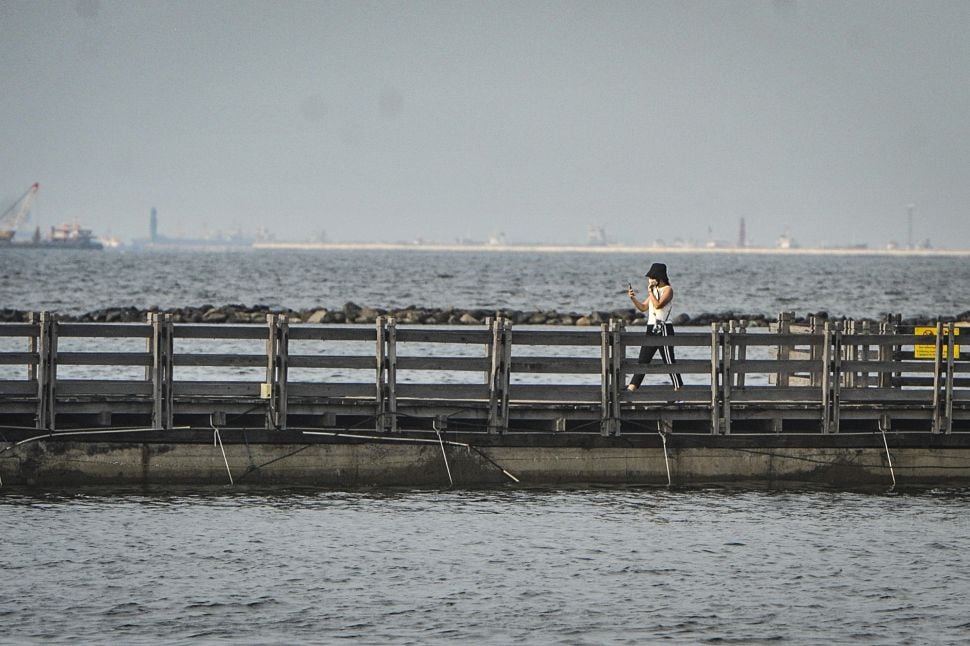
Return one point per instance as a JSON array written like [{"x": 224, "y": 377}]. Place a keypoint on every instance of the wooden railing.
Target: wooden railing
[{"x": 829, "y": 377}]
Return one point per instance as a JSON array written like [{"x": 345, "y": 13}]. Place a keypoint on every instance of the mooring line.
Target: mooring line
[
  {"x": 666, "y": 459},
  {"x": 888, "y": 457},
  {"x": 434, "y": 425},
  {"x": 217, "y": 439},
  {"x": 49, "y": 434},
  {"x": 414, "y": 440}
]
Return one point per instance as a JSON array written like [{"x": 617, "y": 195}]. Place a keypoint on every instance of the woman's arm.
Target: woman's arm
[
  {"x": 666, "y": 295},
  {"x": 642, "y": 306}
]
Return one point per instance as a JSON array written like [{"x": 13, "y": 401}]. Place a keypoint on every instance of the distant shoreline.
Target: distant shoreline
[{"x": 549, "y": 248}]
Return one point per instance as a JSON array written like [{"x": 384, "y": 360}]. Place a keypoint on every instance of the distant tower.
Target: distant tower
[
  {"x": 909, "y": 225},
  {"x": 742, "y": 239},
  {"x": 153, "y": 225}
]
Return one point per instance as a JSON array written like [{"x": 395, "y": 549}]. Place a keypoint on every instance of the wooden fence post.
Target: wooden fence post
[
  {"x": 162, "y": 370},
  {"x": 850, "y": 351},
  {"x": 380, "y": 376},
  {"x": 45, "y": 371},
  {"x": 614, "y": 354},
  {"x": 507, "y": 372},
  {"x": 727, "y": 352},
  {"x": 607, "y": 380},
  {"x": 866, "y": 355},
  {"x": 784, "y": 349},
  {"x": 282, "y": 369},
  {"x": 715, "y": 376},
  {"x": 938, "y": 379},
  {"x": 742, "y": 351},
  {"x": 948, "y": 406},
  {"x": 500, "y": 376},
  {"x": 489, "y": 349},
  {"x": 815, "y": 353},
  {"x": 836, "y": 400},
  {"x": 619, "y": 377},
  {"x": 390, "y": 340},
  {"x": 270, "y": 386},
  {"x": 826, "y": 352}
]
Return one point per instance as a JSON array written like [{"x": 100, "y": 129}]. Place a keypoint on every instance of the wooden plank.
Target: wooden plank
[
  {"x": 19, "y": 358},
  {"x": 311, "y": 390},
  {"x": 909, "y": 355},
  {"x": 750, "y": 366},
  {"x": 777, "y": 395},
  {"x": 568, "y": 337},
  {"x": 867, "y": 395},
  {"x": 466, "y": 364},
  {"x": 104, "y": 330},
  {"x": 347, "y": 362},
  {"x": 220, "y": 360},
  {"x": 637, "y": 339},
  {"x": 216, "y": 389},
  {"x": 888, "y": 366},
  {"x": 98, "y": 387},
  {"x": 433, "y": 335},
  {"x": 758, "y": 339},
  {"x": 556, "y": 365},
  {"x": 220, "y": 331},
  {"x": 348, "y": 332},
  {"x": 434, "y": 392},
  {"x": 685, "y": 367},
  {"x": 563, "y": 393},
  {"x": 104, "y": 359},
  {"x": 12, "y": 387},
  {"x": 926, "y": 382},
  {"x": 19, "y": 329},
  {"x": 687, "y": 394}
]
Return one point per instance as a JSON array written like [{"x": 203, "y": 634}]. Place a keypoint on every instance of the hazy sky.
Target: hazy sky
[{"x": 443, "y": 120}]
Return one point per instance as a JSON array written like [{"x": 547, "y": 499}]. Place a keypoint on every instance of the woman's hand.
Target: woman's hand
[{"x": 632, "y": 294}]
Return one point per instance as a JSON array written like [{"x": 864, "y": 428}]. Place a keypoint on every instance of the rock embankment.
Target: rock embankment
[{"x": 414, "y": 315}]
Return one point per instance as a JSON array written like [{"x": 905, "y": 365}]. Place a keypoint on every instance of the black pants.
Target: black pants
[{"x": 666, "y": 353}]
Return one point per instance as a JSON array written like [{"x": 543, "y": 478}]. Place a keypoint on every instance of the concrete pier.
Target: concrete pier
[
  {"x": 355, "y": 461},
  {"x": 389, "y": 404}
]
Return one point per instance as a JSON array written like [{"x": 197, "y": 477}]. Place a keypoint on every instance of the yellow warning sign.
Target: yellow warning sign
[{"x": 928, "y": 351}]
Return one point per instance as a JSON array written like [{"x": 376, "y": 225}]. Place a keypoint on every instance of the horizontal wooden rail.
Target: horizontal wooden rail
[{"x": 736, "y": 378}]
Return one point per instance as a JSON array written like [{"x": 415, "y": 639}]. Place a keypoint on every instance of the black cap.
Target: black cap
[{"x": 658, "y": 271}]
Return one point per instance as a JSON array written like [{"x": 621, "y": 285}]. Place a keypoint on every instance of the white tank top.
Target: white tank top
[{"x": 658, "y": 315}]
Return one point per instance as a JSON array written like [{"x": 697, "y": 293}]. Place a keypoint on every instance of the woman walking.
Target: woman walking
[{"x": 657, "y": 305}]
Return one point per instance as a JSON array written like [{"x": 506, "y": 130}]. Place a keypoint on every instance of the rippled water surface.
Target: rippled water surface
[
  {"x": 584, "y": 566},
  {"x": 851, "y": 286}
]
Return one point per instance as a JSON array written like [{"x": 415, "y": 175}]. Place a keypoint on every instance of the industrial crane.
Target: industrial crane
[{"x": 16, "y": 214}]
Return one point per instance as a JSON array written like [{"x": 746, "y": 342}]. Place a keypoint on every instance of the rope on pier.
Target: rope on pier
[
  {"x": 663, "y": 436},
  {"x": 415, "y": 440},
  {"x": 217, "y": 439},
  {"x": 889, "y": 458},
  {"x": 434, "y": 424}
]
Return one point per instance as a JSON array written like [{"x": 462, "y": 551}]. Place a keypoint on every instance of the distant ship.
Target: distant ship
[
  {"x": 70, "y": 236},
  {"x": 62, "y": 236}
]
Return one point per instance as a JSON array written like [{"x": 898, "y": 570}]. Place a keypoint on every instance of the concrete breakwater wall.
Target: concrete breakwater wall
[
  {"x": 413, "y": 315},
  {"x": 375, "y": 463}
]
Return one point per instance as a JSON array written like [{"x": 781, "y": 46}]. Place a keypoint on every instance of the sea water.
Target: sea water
[
  {"x": 504, "y": 566},
  {"x": 508, "y": 565},
  {"x": 853, "y": 286}
]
